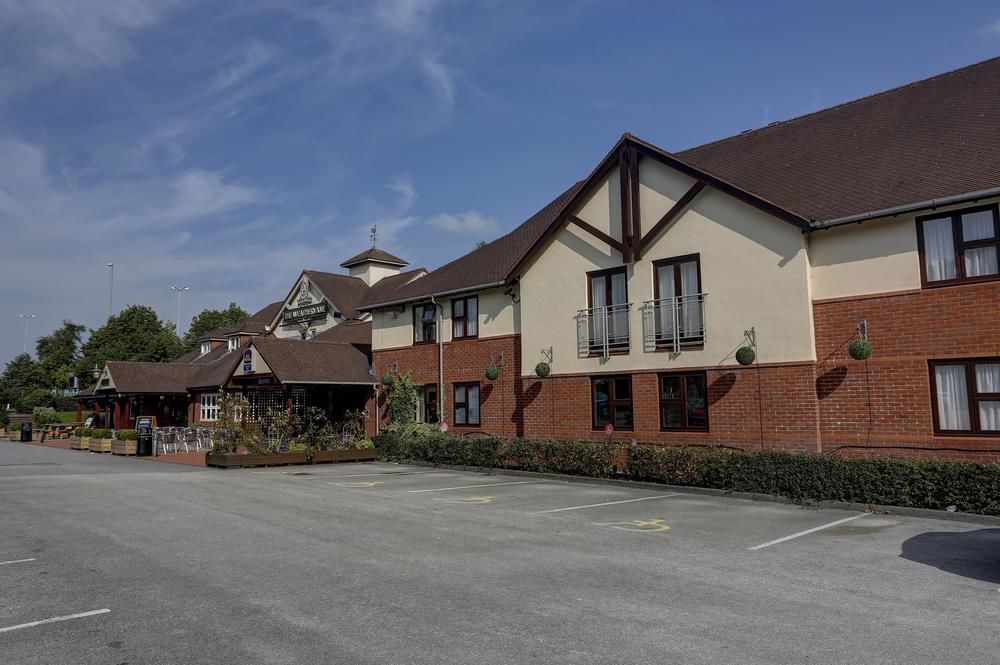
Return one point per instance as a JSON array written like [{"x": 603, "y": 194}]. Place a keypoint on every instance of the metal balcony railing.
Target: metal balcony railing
[
  {"x": 674, "y": 323},
  {"x": 603, "y": 330}
]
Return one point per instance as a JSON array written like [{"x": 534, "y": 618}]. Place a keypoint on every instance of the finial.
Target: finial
[{"x": 374, "y": 234}]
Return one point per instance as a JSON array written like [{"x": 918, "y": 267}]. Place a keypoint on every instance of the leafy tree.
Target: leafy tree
[
  {"x": 21, "y": 376},
  {"x": 135, "y": 334},
  {"x": 210, "y": 319},
  {"x": 58, "y": 354},
  {"x": 479, "y": 244}
]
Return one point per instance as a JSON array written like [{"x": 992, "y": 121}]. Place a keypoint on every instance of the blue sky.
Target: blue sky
[{"x": 226, "y": 146}]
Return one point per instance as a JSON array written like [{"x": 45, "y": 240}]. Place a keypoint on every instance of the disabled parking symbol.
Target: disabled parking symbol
[{"x": 651, "y": 525}]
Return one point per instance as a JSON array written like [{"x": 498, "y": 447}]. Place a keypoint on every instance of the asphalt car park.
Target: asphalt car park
[{"x": 112, "y": 560}]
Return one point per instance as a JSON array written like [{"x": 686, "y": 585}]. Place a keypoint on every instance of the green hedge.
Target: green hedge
[
  {"x": 101, "y": 433},
  {"x": 972, "y": 487},
  {"x": 126, "y": 435}
]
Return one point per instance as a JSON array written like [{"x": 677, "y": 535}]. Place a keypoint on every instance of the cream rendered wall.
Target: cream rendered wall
[
  {"x": 372, "y": 272},
  {"x": 603, "y": 208},
  {"x": 876, "y": 256},
  {"x": 256, "y": 362},
  {"x": 498, "y": 316},
  {"x": 754, "y": 269},
  {"x": 294, "y": 330}
]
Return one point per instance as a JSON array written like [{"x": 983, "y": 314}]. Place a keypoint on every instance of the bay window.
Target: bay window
[
  {"x": 960, "y": 246},
  {"x": 966, "y": 396}
]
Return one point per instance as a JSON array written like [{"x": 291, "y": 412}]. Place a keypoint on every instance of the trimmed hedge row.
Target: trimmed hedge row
[{"x": 972, "y": 487}]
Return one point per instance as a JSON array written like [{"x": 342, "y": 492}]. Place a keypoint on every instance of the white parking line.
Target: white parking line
[
  {"x": 7, "y": 563},
  {"x": 607, "y": 503},
  {"x": 54, "y": 620},
  {"x": 807, "y": 532},
  {"x": 466, "y": 487}
]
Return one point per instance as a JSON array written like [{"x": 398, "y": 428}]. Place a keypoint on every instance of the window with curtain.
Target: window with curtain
[
  {"x": 966, "y": 396},
  {"x": 465, "y": 317},
  {"x": 466, "y": 404},
  {"x": 424, "y": 323},
  {"x": 960, "y": 246},
  {"x": 611, "y": 401},
  {"x": 677, "y": 292},
  {"x": 608, "y": 300}
]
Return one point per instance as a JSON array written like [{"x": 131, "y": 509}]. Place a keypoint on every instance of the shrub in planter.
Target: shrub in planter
[
  {"x": 127, "y": 435},
  {"x": 492, "y": 372},
  {"x": 388, "y": 379},
  {"x": 860, "y": 349},
  {"x": 101, "y": 434},
  {"x": 543, "y": 369},
  {"x": 745, "y": 355}
]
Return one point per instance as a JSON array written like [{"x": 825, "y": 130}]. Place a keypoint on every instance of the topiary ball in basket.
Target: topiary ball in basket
[
  {"x": 542, "y": 369},
  {"x": 745, "y": 355},
  {"x": 492, "y": 372},
  {"x": 860, "y": 349},
  {"x": 388, "y": 379}
]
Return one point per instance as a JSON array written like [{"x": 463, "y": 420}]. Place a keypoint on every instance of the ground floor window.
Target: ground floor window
[
  {"x": 209, "y": 408},
  {"x": 427, "y": 405},
  {"x": 467, "y": 404},
  {"x": 684, "y": 401},
  {"x": 966, "y": 396},
  {"x": 611, "y": 399}
]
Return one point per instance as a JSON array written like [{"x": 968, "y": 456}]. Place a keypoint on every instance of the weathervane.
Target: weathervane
[{"x": 374, "y": 234}]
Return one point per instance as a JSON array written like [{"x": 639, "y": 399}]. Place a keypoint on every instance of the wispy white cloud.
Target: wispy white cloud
[
  {"x": 404, "y": 15},
  {"x": 991, "y": 28},
  {"x": 470, "y": 222},
  {"x": 253, "y": 56},
  {"x": 440, "y": 78}
]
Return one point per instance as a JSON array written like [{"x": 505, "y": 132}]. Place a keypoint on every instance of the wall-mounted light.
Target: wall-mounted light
[{"x": 513, "y": 296}]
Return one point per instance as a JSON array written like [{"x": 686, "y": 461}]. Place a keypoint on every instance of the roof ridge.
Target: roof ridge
[{"x": 849, "y": 102}]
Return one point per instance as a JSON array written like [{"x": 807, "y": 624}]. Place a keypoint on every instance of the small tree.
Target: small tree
[{"x": 401, "y": 400}]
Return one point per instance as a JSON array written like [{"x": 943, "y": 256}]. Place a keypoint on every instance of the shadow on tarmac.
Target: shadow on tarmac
[{"x": 972, "y": 554}]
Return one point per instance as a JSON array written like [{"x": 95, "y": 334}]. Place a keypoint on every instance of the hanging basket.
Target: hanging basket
[
  {"x": 860, "y": 349},
  {"x": 745, "y": 355},
  {"x": 542, "y": 369},
  {"x": 388, "y": 379},
  {"x": 492, "y": 372}
]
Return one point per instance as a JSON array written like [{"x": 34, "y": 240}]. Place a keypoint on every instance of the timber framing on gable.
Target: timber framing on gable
[{"x": 626, "y": 155}]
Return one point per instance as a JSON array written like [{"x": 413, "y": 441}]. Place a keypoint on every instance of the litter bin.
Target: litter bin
[
  {"x": 26, "y": 433},
  {"x": 144, "y": 430}
]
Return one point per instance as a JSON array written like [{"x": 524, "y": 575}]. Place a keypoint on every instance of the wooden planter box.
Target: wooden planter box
[
  {"x": 348, "y": 455},
  {"x": 101, "y": 445},
  {"x": 123, "y": 447},
  {"x": 83, "y": 443},
  {"x": 237, "y": 460}
]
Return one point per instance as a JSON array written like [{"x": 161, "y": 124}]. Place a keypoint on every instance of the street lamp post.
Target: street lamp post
[
  {"x": 111, "y": 287},
  {"x": 27, "y": 318},
  {"x": 179, "y": 290}
]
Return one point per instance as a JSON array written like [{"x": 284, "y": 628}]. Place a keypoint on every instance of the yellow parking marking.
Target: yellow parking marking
[
  {"x": 655, "y": 524},
  {"x": 359, "y": 483},
  {"x": 470, "y": 499}
]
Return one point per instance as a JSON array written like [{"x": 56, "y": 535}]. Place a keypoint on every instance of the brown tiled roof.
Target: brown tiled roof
[
  {"x": 217, "y": 333},
  {"x": 264, "y": 317},
  {"x": 188, "y": 357},
  {"x": 151, "y": 378},
  {"x": 343, "y": 291},
  {"x": 489, "y": 264},
  {"x": 213, "y": 374},
  {"x": 379, "y": 291},
  {"x": 352, "y": 332},
  {"x": 299, "y": 361},
  {"x": 925, "y": 140},
  {"x": 374, "y": 254}
]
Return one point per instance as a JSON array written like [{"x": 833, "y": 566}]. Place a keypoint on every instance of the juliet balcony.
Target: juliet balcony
[{"x": 673, "y": 324}]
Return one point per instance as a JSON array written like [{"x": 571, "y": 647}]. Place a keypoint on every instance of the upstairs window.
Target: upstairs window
[
  {"x": 963, "y": 246},
  {"x": 424, "y": 323},
  {"x": 234, "y": 343},
  {"x": 608, "y": 313},
  {"x": 205, "y": 347},
  {"x": 678, "y": 304},
  {"x": 465, "y": 317}
]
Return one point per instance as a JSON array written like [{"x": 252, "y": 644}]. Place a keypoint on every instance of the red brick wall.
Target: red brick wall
[
  {"x": 879, "y": 406},
  {"x": 559, "y": 407},
  {"x": 465, "y": 361},
  {"x": 885, "y": 402}
]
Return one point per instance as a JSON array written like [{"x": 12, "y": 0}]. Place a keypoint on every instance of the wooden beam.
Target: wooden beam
[
  {"x": 596, "y": 232},
  {"x": 623, "y": 190},
  {"x": 633, "y": 176},
  {"x": 672, "y": 214}
]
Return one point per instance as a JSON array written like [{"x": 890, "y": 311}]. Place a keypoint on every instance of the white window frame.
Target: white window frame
[
  {"x": 206, "y": 347},
  {"x": 209, "y": 407},
  {"x": 234, "y": 342}
]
